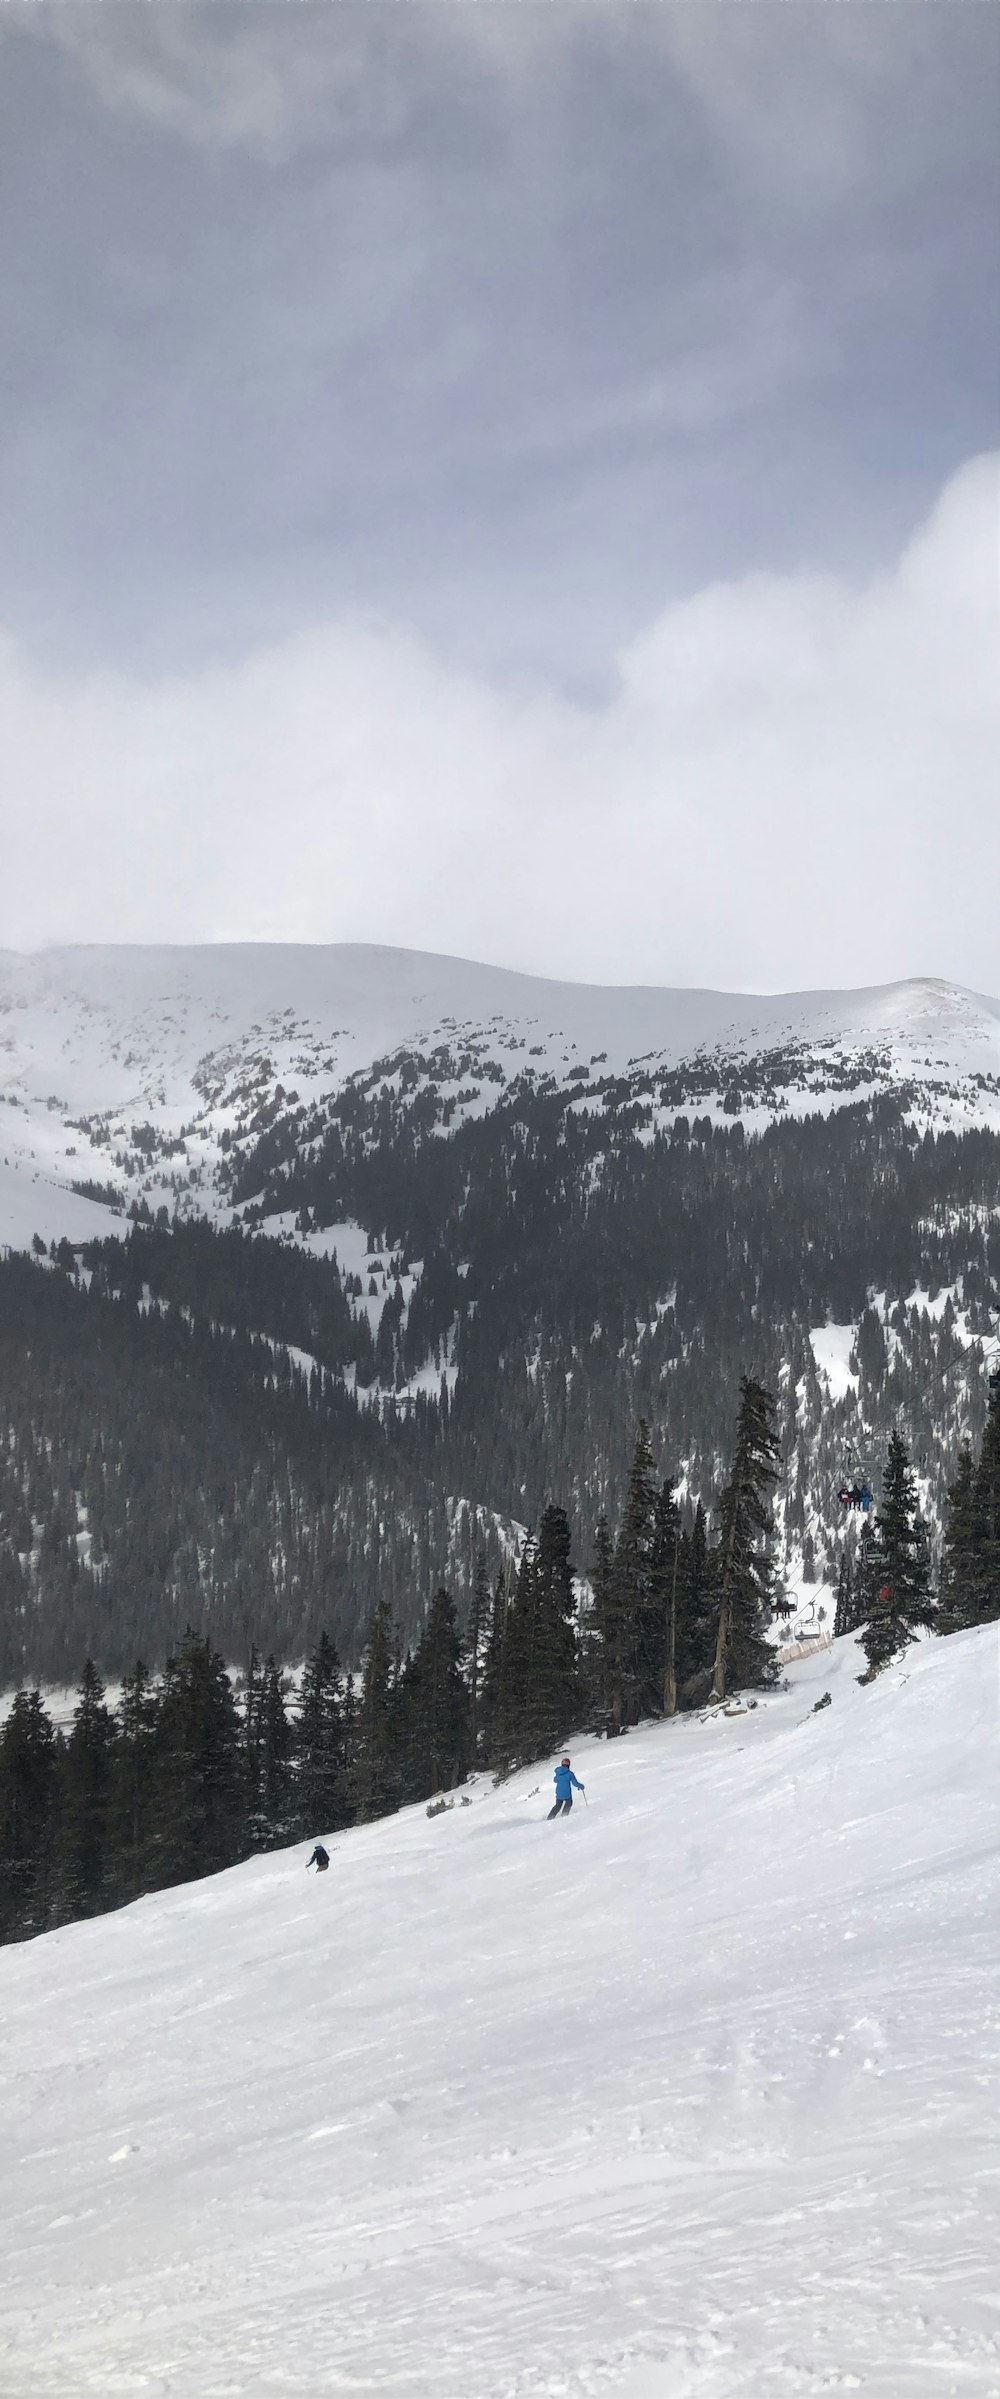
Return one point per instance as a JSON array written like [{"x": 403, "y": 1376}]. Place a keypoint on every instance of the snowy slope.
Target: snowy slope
[
  {"x": 102, "y": 1049},
  {"x": 693, "y": 2097}
]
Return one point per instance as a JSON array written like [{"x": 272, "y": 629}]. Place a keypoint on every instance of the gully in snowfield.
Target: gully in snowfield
[{"x": 566, "y": 1783}]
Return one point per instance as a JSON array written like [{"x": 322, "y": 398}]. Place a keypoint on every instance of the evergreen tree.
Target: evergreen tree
[
  {"x": 549, "y": 1698},
  {"x": 631, "y": 1597},
  {"x": 323, "y": 1800},
  {"x": 987, "y": 1502},
  {"x": 696, "y": 1627},
  {"x": 662, "y": 1637},
  {"x": 512, "y": 1692},
  {"x": 200, "y": 1768},
  {"x": 843, "y": 1617},
  {"x": 28, "y": 1770},
  {"x": 902, "y": 1602},
  {"x": 434, "y": 1706},
  {"x": 83, "y": 1872},
  {"x": 960, "y": 1549},
  {"x": 496, "y": 1713},
  {"x": 272, "y": 1819},
  {"x": 477, "y": 1639},
  {"x": 599, "y": 1625},
  {"x": 376, "y": 1774},
  {"x": 131, "y": 1799},
  {"x": 744, "y": 1574}
]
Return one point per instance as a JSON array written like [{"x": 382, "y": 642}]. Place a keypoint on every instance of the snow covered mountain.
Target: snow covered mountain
[
  {"x": 492, "y": 1221},
  {"x": 147, "y": 1074},
  {"x": 688, "y": 2098}
]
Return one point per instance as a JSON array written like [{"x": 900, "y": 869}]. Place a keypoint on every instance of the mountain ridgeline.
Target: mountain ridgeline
[{"x": 205, "y": 1423}]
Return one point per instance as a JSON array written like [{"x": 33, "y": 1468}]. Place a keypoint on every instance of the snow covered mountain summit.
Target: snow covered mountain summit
[{"x": 146, "y": 1074}]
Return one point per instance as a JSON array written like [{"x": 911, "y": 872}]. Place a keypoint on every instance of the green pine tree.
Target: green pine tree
[
  {"x": 83, "y": 1872},
  {"x": 960, "y": 1549},
  {"x": 901, "y": 1602},
  {"x": 29, "y": 1760},
  {"x": 987, "y": 1504},
  {"x": 744, "y": 1573},
  {"x": 662, "y": 1635},
  {"x": 376, "y": 1772},
  {"x": 476, "y": 1642},
  {"x": 200, "y": 1772},
  {"x": 322, "y": 1792},
  {"x": 496, "y": 1712},
  {"x": 551, "y": 1698},
  {"x": 132, "y": 1795},
  {"x": 272, "y": 1818},
  {"x": 631, "y": 1600},
  {"x": 434, "y": 1706}
]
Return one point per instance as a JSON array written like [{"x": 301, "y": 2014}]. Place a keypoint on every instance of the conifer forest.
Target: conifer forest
[{"x": 547, "y": 1447}]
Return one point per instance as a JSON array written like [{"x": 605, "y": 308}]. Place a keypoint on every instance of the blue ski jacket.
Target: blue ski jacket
[{"x": 565, "y": 1782}]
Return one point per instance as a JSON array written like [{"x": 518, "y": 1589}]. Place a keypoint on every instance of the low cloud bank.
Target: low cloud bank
[{"x": 795, "y": 782}]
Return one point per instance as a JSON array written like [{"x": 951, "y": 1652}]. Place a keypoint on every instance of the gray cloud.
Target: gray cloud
[
  {"x": 793, "y": 783},
  {"x": 514, "y": 323}
]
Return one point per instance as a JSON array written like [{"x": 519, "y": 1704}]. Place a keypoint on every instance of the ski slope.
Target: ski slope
[{"x": 691, "y": 2097}]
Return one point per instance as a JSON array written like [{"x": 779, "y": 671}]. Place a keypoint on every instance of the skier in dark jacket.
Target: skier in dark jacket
[
  {"x": 319, "y": 1859},
  {"x": 566, "y": 1783}
]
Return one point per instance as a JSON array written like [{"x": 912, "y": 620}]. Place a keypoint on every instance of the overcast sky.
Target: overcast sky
[{"x": 512, "y": 479}]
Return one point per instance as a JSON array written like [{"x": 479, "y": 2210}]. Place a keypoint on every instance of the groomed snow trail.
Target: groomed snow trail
[{"x": 695, "y": 2094}]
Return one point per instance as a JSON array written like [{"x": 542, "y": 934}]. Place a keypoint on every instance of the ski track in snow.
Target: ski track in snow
[{"x": 691, "y": 2097}]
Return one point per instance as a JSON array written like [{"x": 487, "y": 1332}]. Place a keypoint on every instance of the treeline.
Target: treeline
[
  {"x": 885, "y": 1591},
  {"x": 164, "y": 1458},
  {"x": 187, "y": 1776},
  {"x": 184, "y": 1778}
]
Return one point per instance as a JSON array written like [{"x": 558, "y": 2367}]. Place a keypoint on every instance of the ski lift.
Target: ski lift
[{"x": 855, "y": 1491}]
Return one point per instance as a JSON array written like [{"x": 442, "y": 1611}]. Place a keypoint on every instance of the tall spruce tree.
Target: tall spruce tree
[
  {"x": 960, "y": 1549},
  {"x": 434, "y": 1706},
  {"x": 83, "y": 1876},
  {"x": 970, "y": 1566},
  {"x": 200, "y": 1768},
  {"x": 477, "y": 1638},
  {"x": 132, "y": 1795},
  {"x": 495, "y": 1708},
  {"x": 272, "y": 1810},
  {"x": 744, "y": 1574},
  {"x": 376, "y": 1773},
  {"x": 29, "y": 1757},
  {"x": 901, "y": 1602},
  {"x": 843, "y": 1615},
  {"x": 662, "y": 1636},
  {"x": 519, "y": 1627},
  {"x": 598, "y": 1624},
  {"x": 631, "y": 1606},
  {"x": 696, "y": 1628},
  {"x": 987, "y": 1503},
  {"x": 322, "y": 1775},
  {"x": 551, "y": 1697}
]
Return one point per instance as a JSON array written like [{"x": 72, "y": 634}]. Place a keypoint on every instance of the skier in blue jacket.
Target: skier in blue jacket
[{"x": 566, "y": 1783}]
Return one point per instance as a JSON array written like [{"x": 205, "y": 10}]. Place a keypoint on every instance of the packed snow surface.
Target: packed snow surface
[
  {"x": 689, "y": 2097},
  {"x": 123, "y": 1069}
]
